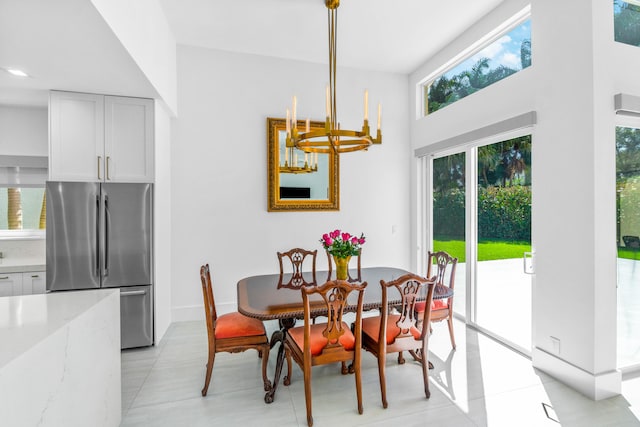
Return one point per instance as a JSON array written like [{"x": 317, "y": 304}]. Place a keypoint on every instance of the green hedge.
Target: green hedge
[{"x": 504, "y": 213}]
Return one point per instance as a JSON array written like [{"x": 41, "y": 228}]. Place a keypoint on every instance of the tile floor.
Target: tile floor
[{"x": 482, "y": 383}]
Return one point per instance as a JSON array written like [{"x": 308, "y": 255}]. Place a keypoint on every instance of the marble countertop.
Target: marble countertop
[
  {"x": 19, "y": 265},
  {"x": 29, "y": 319}
]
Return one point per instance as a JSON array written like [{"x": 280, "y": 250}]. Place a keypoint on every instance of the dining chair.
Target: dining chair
[
  {"x": 441, "y": 309},
  {"x": 358, "y": 276},
  {"x": 232, "y": 332},
  {"x": 296, "y": 261},
  {"x": 330, "y": 342},
  {"x": 392, "y": 332}
]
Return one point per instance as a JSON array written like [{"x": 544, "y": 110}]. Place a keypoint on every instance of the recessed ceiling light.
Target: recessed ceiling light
[{"x": 16, "y": 72}]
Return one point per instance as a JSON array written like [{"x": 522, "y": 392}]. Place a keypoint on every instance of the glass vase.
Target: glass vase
[{"x": 342, "y": 267}]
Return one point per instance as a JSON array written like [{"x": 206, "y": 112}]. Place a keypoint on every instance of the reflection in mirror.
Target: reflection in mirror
[{"x": 298, "y": 180}]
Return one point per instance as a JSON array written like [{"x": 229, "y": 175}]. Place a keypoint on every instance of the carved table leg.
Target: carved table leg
[{"x": 278, "y": 336}]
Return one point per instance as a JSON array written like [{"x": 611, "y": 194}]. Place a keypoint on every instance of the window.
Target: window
[
  {"x": 626, "y": 21},
  {"x": 496, "y": 60},
  {"x": 22, "y": 208}
]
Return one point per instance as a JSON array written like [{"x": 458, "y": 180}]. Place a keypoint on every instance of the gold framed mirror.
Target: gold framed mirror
[{"x": 298, "y": 181}]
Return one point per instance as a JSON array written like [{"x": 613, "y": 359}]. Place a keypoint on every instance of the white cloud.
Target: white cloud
[
  {"x": 511, "y": 60},
  {"x": 494, "y": 49}
]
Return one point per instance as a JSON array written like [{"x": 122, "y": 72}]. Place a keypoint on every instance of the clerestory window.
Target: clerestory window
[{"x": 500, "y": 56}]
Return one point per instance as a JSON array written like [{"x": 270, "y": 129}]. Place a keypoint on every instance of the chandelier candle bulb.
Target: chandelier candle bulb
[
  {"x": 308, "y": 125},
  {"x": 293, "y": 117},
  {"x": 379, "y": 115},
  {"x": 366, "y": 104},
  {"x": 295, "y": 159},
  {"x": 288, "y": 124}
]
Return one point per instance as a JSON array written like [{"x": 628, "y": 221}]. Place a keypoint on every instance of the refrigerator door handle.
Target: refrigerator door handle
[
  {"x": 132, "y": 293},
  {"x": 106, "y": 235},
  {"x": 98, "y": 236}
]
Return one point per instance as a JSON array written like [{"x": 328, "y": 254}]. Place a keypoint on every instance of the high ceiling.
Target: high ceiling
[
  {"x": 65, "y": 44},
  {"x": 386, "y": 35}
]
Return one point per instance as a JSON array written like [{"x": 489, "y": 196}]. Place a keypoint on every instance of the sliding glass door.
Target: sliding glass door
[
  {"x": 503, "y": 209},
  {"x": 481, "y": 214},
  {"x": 449, "y": 223},
  {"x": 628, "y": 240}
]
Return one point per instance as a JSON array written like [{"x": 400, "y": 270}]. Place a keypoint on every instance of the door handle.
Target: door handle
[
  {"x": 98, "y": 235},
  {"x": 4, "y": 277},
  {"x": 528, "y": 262},
  {"x": 106, "y": 235},
  {"x": 132, "y": 293}
]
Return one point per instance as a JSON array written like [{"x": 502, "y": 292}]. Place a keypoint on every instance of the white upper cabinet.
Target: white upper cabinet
[{"x": 100, "y": 138}]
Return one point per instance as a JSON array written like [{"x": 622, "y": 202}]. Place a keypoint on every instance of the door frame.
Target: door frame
[{"x": 425, "y": 221}]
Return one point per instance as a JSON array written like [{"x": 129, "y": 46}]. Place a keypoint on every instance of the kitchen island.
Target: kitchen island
[{"x": 60, "y": 359}]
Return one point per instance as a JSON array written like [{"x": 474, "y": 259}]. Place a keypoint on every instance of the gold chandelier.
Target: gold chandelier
[
  {"x": 292, "y": 162},
  {"x": 332, "y": 139}
]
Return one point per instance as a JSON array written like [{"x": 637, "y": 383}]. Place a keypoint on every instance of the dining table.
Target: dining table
[{"x": 264, "y": 297}]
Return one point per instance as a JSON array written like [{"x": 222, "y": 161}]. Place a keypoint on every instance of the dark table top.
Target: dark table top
[{"x": 260, "y": 297}]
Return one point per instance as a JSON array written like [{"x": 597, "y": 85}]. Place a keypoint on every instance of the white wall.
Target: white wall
[
  {"x": 143, "y": 30},
  {"x": 162, "y": 220},
  {"x": 571, "y": 84},
  {"x": 24, "y": 131},
  {"x": 218, "y": 160}
]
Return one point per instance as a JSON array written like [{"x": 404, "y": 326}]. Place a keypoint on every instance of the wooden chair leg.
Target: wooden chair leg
[
  {"x": 287, "y": 379},
  {"x": 400, "y": 358},
  {"x": 264, "y": 353},
  {"x": 307, "y": 392},
  {"x": 207, "y": 379},
  {"x": 453, "y": 340},
  {"x": 425, "y": 374},
  {"x": 383, "y": 381},
  {"x": 356, "y": 367}
]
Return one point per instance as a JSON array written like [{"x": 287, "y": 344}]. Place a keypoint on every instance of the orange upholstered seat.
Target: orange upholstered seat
[
  {"x": 438, "y": 304},
  {"x": 319, "y": 341},
  {"x": 371, "y": 328},
  {"x": 234, "y": 325}
]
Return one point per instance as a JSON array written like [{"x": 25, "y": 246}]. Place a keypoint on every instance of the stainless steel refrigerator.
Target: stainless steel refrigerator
[{"x": 99, "y": 235}]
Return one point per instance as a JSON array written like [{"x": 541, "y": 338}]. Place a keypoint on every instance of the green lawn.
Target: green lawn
[
  {"x": 499, "y": 249},
  {"x": 487, "y": 249},
  {"x": 628, "y": 254}
]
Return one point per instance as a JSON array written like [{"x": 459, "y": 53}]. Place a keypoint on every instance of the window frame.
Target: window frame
[{"x": 502, "y": 29}]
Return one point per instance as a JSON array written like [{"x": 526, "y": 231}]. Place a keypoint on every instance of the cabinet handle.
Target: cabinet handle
[
  {"x": 99, "y": 161},
  {"x": 108, "y": 162},
  {"x": 35, "y": 276},
  {"x": 4, "y": 277}
]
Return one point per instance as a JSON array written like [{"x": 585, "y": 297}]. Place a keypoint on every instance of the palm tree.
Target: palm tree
[
  {"x": 43, "y": 212},
  {"x": 476, "y": 76},
  {"x": 525, "y": 53},
  {"x": 14, "y": 209},
  {"x": 489, "y": 157}
]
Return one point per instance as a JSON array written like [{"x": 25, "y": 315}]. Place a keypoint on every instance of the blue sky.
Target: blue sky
[{"x": 504, "y": 51}]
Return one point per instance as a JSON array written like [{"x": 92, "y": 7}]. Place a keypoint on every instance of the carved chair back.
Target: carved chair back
[{"x": 296, "y": 260}]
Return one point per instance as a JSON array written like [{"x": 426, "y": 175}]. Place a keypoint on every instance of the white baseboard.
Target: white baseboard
[
  {"x": 187, "y": 313},
  {"x": 595, "y": 386}
]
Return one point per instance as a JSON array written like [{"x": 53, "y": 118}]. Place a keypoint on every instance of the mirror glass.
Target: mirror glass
[{"x": 299, "y": 181}]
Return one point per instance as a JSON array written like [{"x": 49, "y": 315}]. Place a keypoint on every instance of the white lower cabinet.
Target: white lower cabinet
[
  {"x": 10, "y": 284},
  {"x": 34, "y": 282},
  {"x": 26, "y": 283}
]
